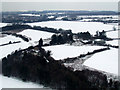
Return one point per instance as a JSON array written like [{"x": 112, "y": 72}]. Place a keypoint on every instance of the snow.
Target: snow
[
  {"x": 35, "y": 35},
  {"x": 115, "y": 24},
  {"x": 60, "y": 18},
  {"x": 51, "y": 17},
  {"x": 85, "y": 20},
  {"x": 3, "y": 24},
  {"x": 8, "y": 49},
  {"x": 51, "y": 13},
  {"x": 9, "y": 38},
  {"x": 28, "y": 15},
  {"x": 105, "y": 61},
  {"x": 65, "y": 51},
  {"x": 113, "y": 42},
  {"x": 15, "y": 83},
  {"x": 112, "y": 34},
  {"x": 75, "y": 26}
]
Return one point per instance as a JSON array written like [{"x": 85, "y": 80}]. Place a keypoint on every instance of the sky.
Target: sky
[
  {"x": 60, "y": 0},
  {"x": 31, "y": 6}
]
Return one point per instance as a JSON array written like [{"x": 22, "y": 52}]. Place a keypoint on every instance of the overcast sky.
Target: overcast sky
[{"x": 30, "y": 6}]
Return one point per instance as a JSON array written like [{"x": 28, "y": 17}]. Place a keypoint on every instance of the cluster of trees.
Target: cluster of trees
[
  {"x": 84, "y": 35},
  {"x": 70, "y": 18},
  {"x": 61, "y": 39},
  {"x": 20, "y": 26},
  {"x": 29, "y": 67},
  {"x": 105, "y": 21},
  {"x": 52, "y": 30},
  {"x": 16, "y": 26},
  {"x": 100, "y": 35},
  {"x": 16, "y": 18}
]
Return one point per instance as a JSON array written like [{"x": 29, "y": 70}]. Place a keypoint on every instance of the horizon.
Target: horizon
[
  {"x": 60, "y": 10},
  {"x": 59, "y": 6}
]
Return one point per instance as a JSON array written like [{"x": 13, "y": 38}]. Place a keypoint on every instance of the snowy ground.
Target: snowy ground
[
  {"x": 9, "y": 38},
  {"x": 50, "y": 17},
  {"x": 15, "y": 83},
  {"x": 29, "y": 15},
  {"x": 8, "y": 49},
  {"x": 105, "y": 61},
  {"x": 65, "y": 51},
  {"x": 112, "y": 34},
  {"x": 113, "y": 42},
  {"x": 75, "y": 26},
  {"x": 35, "y": 35},
  {"x": 3, "y": 24}
]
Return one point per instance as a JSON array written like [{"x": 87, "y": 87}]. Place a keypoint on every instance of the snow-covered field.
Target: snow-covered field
[
  {"x": 15, "y": 83},
  {"x": 65, "y": 51},
  {"x": 113, "y": 42},
  {"x": 75, "y": 26},
  {"x": 35, "y": 35},
  {"x": 105, "y": 61},
  {"x": 29, "y": 15},
  {"x": 9, "y": 38},
  {"x": 3, "y": 24},
  {"x": 112, "y": 34},
  {"x": 51, "y": 17},
  {"x": 8, "y": 49}
]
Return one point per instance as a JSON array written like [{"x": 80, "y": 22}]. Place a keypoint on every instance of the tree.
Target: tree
[
  {"x": 65, "y": 37},
  {"x": 40, "y": 42},
  {"x": 110, "y": 82},
  {"x": 114, "y": 28},
  {"x": 10, "y": 42},
  {"x": 48, "y": 53},
  {"x": 70, "y": 37},
  {"x": 60, "y": 39},
  {"x": 53, "y": 39}
]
